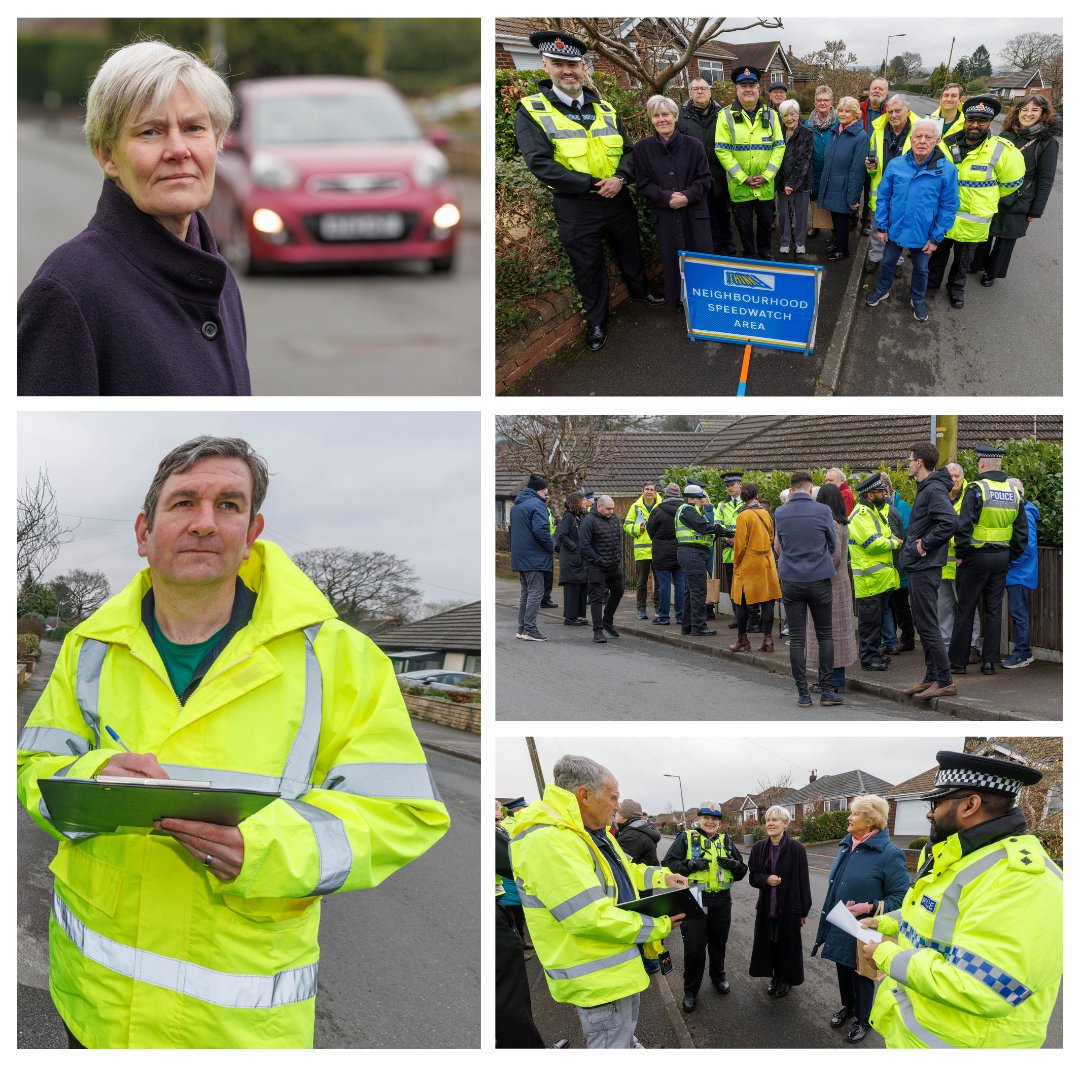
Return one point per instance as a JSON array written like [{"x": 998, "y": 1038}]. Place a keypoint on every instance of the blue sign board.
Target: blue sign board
[{"x": 750, "y": 300}]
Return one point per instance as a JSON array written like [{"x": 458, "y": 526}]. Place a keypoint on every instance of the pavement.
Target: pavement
[
  {"x": 1032, "y": 693},
  {"x": 462, "y": 744}
]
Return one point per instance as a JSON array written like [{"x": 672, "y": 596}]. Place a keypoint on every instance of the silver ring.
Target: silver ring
[{"x": 208, "y": 860}]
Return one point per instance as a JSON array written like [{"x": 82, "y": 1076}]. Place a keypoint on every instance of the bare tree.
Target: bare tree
[
  {"x": 1053, "y": 71},
  {"x": 39, "y": 533},
  {"x": 656, "y": 51},
  {"x": 769, "y": 784},
  {"x": 81, "y": 593},
  {"x": 362, "y": 584},
  {"x": 1026, "y": 52},
  {"x": 833, "y": 66}
]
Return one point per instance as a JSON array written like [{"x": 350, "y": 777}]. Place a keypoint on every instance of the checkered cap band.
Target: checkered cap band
[
  {"x": 980, "y": 109},
  {"x": 962, "y": 778},
  {"x": 559, "y": 49}
]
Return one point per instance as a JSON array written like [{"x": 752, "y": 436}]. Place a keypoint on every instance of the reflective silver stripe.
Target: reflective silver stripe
[
  {"x": 532, "y": 828},
  {"x": 948, "y": 909},
  {"x": 647, "y": 924},
  {"x": 907, "y": 1014},
  {"x": 772, "y": 168},
  {"x": 578, "y": 970},
  {"x": 999, "y": 149},
  {"x": 53, "y": 740},
  {"x": 872, "y": 569},
  {"x": 899, "y": 964},
  {"x": 578, "y": 903},
  {"x": 1053, "y": 867},
  {"x": 384, "y": 780},
  {"x": 527, "y": 899},
  {"x": 605, "y": 130},
  {"x": 224, "y": 777},
  {"x": 88, "y": 683},
  {"x": 734, "y": 170},
  {"x": 655, "y": 877},
  {"x": 205, "y": 984},
  {"x": 974, "y": 217},
  {"x": 44, "y": 810},
  {"x": 565, "y": 133},
  {"x": 335, "y": 852},
  {"x": 296, "y": 779}
]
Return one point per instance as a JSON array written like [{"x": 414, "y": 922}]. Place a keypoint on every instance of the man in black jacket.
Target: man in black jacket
[
  {"x": 600, "y": 542},
  {"x": 926, "y": 547},
  {"x": 697, "y": 118},
  {"x": 665, "y": 555},
  {"x": 637, "y": 835}
]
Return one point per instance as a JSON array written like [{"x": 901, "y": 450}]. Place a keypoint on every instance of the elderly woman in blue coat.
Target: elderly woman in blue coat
[
  {"x": 140, "y": 302},
  {"x": 869, "y": 876},
  {"x": 843, "y": 172}
]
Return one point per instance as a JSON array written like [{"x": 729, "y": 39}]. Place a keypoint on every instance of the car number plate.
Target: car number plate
[{"x": 361, "y": 226}]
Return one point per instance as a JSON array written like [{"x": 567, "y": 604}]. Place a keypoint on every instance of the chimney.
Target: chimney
[{"x": 813, "y": 775}]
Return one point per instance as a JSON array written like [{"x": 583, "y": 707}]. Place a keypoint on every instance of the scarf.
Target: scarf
[
  {"x": 772, "y": 861},
  {"x": 856, "y": 842},
  {"x": 815, "y": 121}
]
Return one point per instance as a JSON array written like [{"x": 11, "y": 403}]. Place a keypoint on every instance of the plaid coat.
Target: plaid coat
[{"x": 845, "y": 637}]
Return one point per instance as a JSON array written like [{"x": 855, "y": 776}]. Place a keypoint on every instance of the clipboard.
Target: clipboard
[
  {"x": 77, "y": 805},
  {"x": 671, "y": 902}
]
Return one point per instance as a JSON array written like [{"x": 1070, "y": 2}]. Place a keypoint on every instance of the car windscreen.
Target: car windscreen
[{"x": 326, "y": 118}]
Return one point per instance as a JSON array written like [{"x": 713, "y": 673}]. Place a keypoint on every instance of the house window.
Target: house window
[
  {"x": 776, "y": 76},
  {"x": 835, "y": 804},
  {"x": 711, "y": 70},
  {"x": 472, "y": 665}
]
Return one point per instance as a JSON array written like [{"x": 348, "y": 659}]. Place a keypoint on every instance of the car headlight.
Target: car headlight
[
  {"x": 429, "y": 168},
  {"x": 273, "y": 173}
]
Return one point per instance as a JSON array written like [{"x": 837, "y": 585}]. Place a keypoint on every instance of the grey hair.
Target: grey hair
[
  {"x": 848, "y": 102},
  {"x": 823, "y": 89},
  {"x": 658, "y": 101},
  {"x": 572, "y": 772},
  {"x": 186, "y": 456},
  {"x": 787, "y": 106},
  {"x": 880, "y": 78},
  {"x": 933, "y": 121},
  {"x": 778, "y": 812},
  {"x": 872, "y": 807},
  {"x": 839, "y": 472},
  {"x": 953, "y": 465},
  {"x": 895, "y": 99},
  {"x": 138, "y": 78}
]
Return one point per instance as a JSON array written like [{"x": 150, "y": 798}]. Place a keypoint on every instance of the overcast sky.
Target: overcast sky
[
  {"x": 929, "y": 37},
  {"x": 406, "y": 483},
  {"x": 717, "y": 767}
]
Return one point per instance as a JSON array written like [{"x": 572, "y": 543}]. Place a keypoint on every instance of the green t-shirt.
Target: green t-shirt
[{"x": 182, "y": 661}]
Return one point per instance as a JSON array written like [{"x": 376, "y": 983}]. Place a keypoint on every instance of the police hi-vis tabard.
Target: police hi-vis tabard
[
  {"x": 146, "y": 947},
  {"x": 948, "y": 571},
  {"x": 595, "y": 149},
  {"x": 1000, "y": 506},
  {"x": 728, "y": 513},
  {"x": 978, "y": 956},
  {"x": 634, "y": 525},
  {"x": 685, "y": 535},
  {"x": 991, "y": 172},
  {"x": 749, "y": 149},
  {"x": 587, "y": 946},
  {"x": 877, "y": 146},
  {"x": 870, "y": 545},
  {"x": 700, "y": 846}
]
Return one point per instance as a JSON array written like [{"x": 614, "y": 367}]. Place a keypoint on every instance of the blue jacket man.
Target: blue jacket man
[
  {"x": 1023, "y": 575},
  {"x": 531, "y": 552}
]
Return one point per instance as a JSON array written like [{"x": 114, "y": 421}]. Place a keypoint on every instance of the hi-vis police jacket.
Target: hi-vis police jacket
[
  {"x": 148, "y": 949},
  {"x": 978, "y": 958},
  {"x": 634, "y": 525},
  {"x": 746, "y": 148},
  {"x": 588, "y": 947},
  {"x": 870, "y": 546},
  {"x": 992, "y": 172}
]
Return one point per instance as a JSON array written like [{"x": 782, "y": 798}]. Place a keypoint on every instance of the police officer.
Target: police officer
[
  {"x": 993, "y": 529},
  {"x": 573, "y": 142},
  {"x": 695, "y": 533},
  {"x": 871, "y": 544},
  {"x": 991, "y": 173},
  {"x": 637, "y": 517},
  {"x": 977, "y": 958},
  {"x": 708, "y": 858},
  {"x": 750, "y": 146}
]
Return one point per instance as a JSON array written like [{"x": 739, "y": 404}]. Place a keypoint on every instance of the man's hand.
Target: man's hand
[
  {"x": 929, "y": 247},
  {"x": 919, "y": 548},
  {"x": 224, "y": 843},
  {"x": 610, "y": 187},
  {"x": 787, "y": 190},
  {"x": 870, "y": 947},
  {"x": 773, "y": 880},
  {"x": 755, "y": 181},
  {"x": 676, "y": 919},
  {"x": 676, "y": 881},
  {"x": 883, "y": 236},
  {"x": 134, "y": 765}
]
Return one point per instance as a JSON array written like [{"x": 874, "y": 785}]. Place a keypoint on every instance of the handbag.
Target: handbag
[
  {"x": 867, "y": 968},
  {"x": 820, "y": 218}
]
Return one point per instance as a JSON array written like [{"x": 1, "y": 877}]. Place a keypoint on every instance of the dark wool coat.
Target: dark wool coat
[
  {"x": 796, "y": 170},
  {"x": 843, "y": 169},
  {"x": 127, "y": 308},
  {"x": 1040, "y": 157},
  {"x": 794, "y": 902},
  {"x": 571, "y": 566},
  {"x": 701, "y": 125},
  {"x": 876, "y": 870},
  {"x": 661, "y": 170}
]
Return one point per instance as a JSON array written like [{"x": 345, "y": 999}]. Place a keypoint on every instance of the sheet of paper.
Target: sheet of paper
[
  {"x": 841, "y": 917},
  {"x": 695, "y": 892}
]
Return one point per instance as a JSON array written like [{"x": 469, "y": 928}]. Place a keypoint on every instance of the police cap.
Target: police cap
[
  {"x": 746, "y": 74},
  {"x": 873, "y": 482},
  {"x": 558, "y": 46},
  {"x": 694, "y": 491},
  {"x": 710, "y": 809},
  {"x": 515, "y": 802},
  {"x": 962, "y": 772},
  {"x": 982, "y": 107},
  {"x": 985, "y": 451},
  {"x": 731, "y": 477}
]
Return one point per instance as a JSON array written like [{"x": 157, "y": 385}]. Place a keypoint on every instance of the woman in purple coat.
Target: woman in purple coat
[
  {"x": 672, "y": 173},
  {"x": 140, "y": 302}
]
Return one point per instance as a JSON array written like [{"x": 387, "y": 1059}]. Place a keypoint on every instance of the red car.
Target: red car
[{"x": 330, "y": 170}]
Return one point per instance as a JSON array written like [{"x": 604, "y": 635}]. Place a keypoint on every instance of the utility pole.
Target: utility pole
[
  {"x": 945, "y": 438},
  {"x": 948, "y": 63},
  {"x": 534, "y": 757}
]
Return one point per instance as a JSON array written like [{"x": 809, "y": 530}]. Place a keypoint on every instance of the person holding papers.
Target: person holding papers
[
  {"x": 869, "y": 877},
  {"x": 221, "y": 662}
]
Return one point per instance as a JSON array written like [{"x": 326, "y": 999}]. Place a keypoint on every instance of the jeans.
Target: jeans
[
  {"x": 532, "y": 591},
  {"x": 946, "y": 612},
  {"x": 817, "y": 596},
  {"x": 611, "y": 1026},
  {"x": 888, "y": 630},
  {"x": 664, "y": 581},
  {"x": 920, "y": 263},
  {"x": 1018, "y": 611}
]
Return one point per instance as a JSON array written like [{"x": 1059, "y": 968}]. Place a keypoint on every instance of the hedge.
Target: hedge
[{"x": 832, "y": 825}]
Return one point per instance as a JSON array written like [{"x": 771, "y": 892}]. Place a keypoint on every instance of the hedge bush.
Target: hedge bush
[
  {"x": 918, "y": 843},
  {"x": 28, "y": 644},
  {"x": 832, "y": 825},
  {"x": 31, "y": 624}
]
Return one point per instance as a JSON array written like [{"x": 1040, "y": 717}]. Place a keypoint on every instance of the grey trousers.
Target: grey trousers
[
  {"x": 877, "y": 249},
  {"x": 611, "y": 1026},
  {"x": 797, "y": 203},
  {"x": 532, "y": 590},
  {"x": 946, "y": 612}
]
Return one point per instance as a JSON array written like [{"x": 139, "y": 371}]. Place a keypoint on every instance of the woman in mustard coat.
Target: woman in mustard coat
[{"x": 754, "y": 579}]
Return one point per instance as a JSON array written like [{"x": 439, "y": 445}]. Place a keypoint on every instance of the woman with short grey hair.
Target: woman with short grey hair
[
  {"x": 795, "y": 178},
  {"x": 141, "y": 302}
]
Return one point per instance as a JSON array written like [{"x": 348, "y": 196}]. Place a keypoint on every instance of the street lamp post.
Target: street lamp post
[
  {"x": 887, "y": 40},
  {"x": 682, "y": 801}
]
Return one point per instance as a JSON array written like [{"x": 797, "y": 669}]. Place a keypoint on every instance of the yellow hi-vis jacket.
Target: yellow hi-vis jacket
[
  {"x": 727, "y": 513},
  {"x": 634, "y": 526},
  {"x": 993, "y": 171},
  {"x": 595, "y": 150},
  {"x": 587, "y": 946},
  {"x": 877, "y": 146},
  {"x": 955, "y": 126},
  {"x": 948, "y": 571},
  {"x": 978, "y": 958},
  {"x": 146, "y": 947},
  {"x": 745, "y": 150},
  {"x": 870, "y": 545}
]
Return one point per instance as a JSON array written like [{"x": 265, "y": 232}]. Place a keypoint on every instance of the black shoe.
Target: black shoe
[
  {"x": 548, "y": 603},
  {"x": 833, "y": 256},
  {"x": 958, "y": 669},
  {"x": 869, "y": 267},
  {"x": 956, "y": 301},
  {"x": 569, "y": 622},
  {"x": 804, "y": 702},
  {"x": 610, "y": 630},
  {"x": 771, "y": 988},
  {"x": 837, "y": 1019},
  {"x": 689, "y": 1001},
  {"x": 734, "y": 625},
  {"x": 662, "y": 622},
  {"x": 708, "y": 632},
  {"x": 782, "y": 989},
  {"x": 753, "y": 628},
  {"x": 987, "y": 668},
  {"x": 651, "y": 298},
  {"x": 975, "y": 656},
  {"x": 906, "y": 646},
  {"x": 878, "y": 665},
  {"x": 581, "y": 622},
  {"x": 595, "y": 338},
  {"x": 891, "y": 650},
  {"x": 812, "y": 232},
  {"x": 722, "y": 985},
  {"x": 562, "y": 1044},
  {"x": 865, "y": 230},
  {"x": 598, "y": 637},
  {"x": 857, "y": 1032},
  {"x": 679, "y": 306}
]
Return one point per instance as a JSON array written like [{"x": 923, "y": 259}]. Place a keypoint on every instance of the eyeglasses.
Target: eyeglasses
[{"x": 935, "y": 803}]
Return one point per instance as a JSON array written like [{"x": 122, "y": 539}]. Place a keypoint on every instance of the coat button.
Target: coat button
[{"x": 209, "y": 330}]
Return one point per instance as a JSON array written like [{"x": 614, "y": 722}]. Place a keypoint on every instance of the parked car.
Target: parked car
[
  {"x": 441, "y": 679},
  {"x": 330, "y": 170}
]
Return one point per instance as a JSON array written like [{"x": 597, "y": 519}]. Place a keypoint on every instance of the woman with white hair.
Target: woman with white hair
[
  {"x": 778, "y": 870},
  {"x": 141, "y": 302},
  {"x": 794, "y": 180},
  {"x": 869, "y": 877},
  {"x": 672, "y": 173}
]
